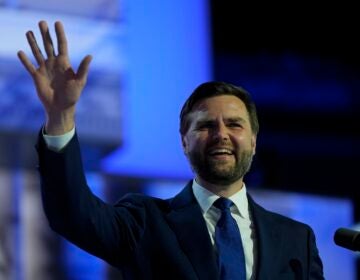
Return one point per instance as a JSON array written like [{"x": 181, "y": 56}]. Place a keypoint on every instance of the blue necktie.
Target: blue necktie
[{"x": 231, "y": 257}]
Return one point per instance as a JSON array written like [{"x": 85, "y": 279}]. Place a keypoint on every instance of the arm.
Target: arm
[
  {"x": 71, "y": 208},
  {"x": 315, "y": 262}
]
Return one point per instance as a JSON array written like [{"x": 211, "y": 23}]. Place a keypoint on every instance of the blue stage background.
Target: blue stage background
[{"x": 148, "y": 57}]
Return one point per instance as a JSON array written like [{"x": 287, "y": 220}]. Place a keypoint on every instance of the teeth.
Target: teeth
[{"x": 221, "y": 151}]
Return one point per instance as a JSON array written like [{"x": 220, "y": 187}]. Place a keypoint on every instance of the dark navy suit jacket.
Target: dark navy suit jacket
[{"x": 151, "y": 238}]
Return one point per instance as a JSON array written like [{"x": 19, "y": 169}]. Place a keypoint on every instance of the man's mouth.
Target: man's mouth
[{"x": 220, "y": 153}]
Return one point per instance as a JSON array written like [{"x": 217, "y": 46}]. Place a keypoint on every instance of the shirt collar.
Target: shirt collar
[{"x": 206, "y": 198}]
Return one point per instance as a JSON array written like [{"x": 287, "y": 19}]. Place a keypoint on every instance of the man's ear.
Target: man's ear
[
  {"x": 253, "y": 144},
  {"x": 184, "y": 143}
]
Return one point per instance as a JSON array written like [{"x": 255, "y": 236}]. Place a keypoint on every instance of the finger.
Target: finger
[
  {"x": 34, "y": 47},
  {"x": 62, "y": 42},
  {"x": 48, "y": 44},
  {"x": 26, "y": 62},
  {"x": 83, "y": 69}
]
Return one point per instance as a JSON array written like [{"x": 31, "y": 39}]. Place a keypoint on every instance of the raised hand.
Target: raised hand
[{"x": 58, "y": 86}]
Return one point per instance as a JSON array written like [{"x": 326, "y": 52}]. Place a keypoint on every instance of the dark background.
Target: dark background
[
  {"x": 326, "y": 31},
  {"x": 313, "y": 52}
]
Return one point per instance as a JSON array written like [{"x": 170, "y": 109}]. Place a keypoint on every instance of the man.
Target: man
[{"x": 178, "y": 238}]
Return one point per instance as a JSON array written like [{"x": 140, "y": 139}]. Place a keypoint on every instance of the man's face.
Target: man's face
[{"x": 219, "y": 142}]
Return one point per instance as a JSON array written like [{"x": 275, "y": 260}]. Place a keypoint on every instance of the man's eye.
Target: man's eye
[
  {"x": 235, "y": 125},
  {"x": 204, "y": 126}
]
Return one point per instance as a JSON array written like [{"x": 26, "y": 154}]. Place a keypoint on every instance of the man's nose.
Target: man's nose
[{"x": 221, "y": 132}]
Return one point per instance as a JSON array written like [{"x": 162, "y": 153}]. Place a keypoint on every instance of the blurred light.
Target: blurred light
[
  {"x": 163, "y": 189},
  {"x": 169, "y": 55}
]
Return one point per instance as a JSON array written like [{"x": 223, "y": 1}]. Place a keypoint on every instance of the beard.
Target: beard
[{"x": 220, "y": 172}]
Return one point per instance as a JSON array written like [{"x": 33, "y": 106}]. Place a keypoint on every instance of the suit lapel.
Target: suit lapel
[
  {"x": 269, "y": 241},
  {"x": 190, "y": 228}
]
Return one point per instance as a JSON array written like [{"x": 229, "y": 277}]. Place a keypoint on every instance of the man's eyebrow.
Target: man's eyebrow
[
  {"x": 235, "y": 119},
  {"x": 205, "y": 120},
  {"x": 230, "y": 119}
]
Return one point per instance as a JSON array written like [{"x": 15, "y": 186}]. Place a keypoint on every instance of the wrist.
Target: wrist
[{"x": 59, "y": 123}]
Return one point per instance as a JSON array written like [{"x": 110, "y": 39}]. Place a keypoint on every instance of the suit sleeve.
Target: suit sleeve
[
  {"x": 315, "y": 265},
  {"x": 76, "y": 213}
]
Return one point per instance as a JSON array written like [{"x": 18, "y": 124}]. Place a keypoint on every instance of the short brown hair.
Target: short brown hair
[{"x": 211, "y": 89}]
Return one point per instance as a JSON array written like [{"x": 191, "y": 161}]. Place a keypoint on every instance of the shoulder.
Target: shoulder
[
  {"x": 142, "y": 201},
  {"x": 280, "y": 220}
]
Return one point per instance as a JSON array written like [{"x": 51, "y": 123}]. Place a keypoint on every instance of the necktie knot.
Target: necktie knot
[{"x": 223, "y": 203}]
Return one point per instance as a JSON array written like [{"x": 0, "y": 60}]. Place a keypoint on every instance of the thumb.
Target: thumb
[{"x": 83, "y": 69}]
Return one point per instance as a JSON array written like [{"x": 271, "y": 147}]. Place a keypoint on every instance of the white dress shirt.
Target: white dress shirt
[
  {"x": 205, "y": 198},
  {"x": 241, "y": 214},
  {"x": 58, "y": 142}
]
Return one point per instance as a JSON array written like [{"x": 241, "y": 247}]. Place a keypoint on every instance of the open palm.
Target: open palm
[{"x": 57, "y": 84}]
